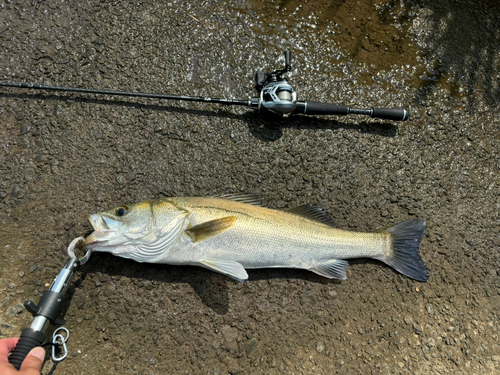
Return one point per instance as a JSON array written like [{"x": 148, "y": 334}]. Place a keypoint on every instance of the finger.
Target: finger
[
  {"x": 7, "y": 346},
  {"x": 34, "y": 360}
]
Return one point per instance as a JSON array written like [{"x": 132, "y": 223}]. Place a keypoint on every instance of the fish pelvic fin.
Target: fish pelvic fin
[
  {"x": 226, "y": 267},
  {"x": 210, "y": 228},
  {"x": 404, "y": 256},
  {"x": 335, "y": 269}
]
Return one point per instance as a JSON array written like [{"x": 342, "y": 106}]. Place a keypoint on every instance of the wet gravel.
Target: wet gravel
[{"x": 64, "y": 156}]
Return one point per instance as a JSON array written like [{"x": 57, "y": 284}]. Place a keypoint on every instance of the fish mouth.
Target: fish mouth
[
  {"x": 100, "y": 227},
  {"x": 98, "y": 222}
]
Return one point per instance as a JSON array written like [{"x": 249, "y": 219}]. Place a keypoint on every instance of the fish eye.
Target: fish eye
[{"x": 121, "y": 211}]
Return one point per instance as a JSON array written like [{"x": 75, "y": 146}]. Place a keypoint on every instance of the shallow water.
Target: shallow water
[{"x": 64, "y": 156}]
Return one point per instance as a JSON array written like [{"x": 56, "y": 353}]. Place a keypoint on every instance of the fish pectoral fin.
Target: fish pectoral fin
[
  {"x": 335, "y": 269},
  {"x": 226, "y": 267},
  {"x": 210, "y": 228}
]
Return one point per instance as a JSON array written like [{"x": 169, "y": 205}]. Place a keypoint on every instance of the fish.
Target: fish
[{"x": 234, "y": 232}]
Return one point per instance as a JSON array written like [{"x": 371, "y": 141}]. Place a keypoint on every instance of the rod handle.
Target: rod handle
[
  {"x": 29, "y": 339},
  {"x": 396, "y": 114},
  {"x": 318, "y": 108}
]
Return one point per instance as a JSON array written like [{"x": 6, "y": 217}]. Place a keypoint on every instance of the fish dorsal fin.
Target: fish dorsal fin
[
  {"x": 314, "y": 213},
  {"x": 226, "y": 267},
  {"x": 210, "y": 228},
  {"x": 252, "y": 199}
]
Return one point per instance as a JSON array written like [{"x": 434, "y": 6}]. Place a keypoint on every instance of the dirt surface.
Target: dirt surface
[{"x": 64, "y": 156}]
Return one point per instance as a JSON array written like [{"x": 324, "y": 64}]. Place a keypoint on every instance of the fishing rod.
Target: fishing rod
[{"x": 276, "y": 95}]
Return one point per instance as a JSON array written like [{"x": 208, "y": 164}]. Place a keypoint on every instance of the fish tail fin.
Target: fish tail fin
[{"x": 404, "y": 256}]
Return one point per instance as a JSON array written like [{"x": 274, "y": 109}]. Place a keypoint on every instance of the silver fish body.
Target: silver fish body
[{"x": 232, "y": 233}]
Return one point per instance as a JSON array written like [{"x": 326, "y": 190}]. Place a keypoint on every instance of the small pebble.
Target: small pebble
[
  {"x": 320, "y": 347},
  {"x": 430, "y": 309},
  {"x": 16, "y": 191},
  {"x": 24, "y": 129},
  {"x": 17, "y": 309}
]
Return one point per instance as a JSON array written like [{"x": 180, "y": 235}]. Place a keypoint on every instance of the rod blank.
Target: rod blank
[{"x": 127, "y": 93}]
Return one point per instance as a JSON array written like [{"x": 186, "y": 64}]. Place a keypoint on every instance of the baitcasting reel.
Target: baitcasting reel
[{"x": 276, "y": 93}]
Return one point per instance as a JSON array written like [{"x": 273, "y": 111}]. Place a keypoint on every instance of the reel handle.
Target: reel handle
[
  {"x": 318, "y": 108},
  {"x": 288, "y": 60}
]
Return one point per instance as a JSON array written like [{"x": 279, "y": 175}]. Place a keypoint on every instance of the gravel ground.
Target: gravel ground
[{"x": 64, "y": 156}]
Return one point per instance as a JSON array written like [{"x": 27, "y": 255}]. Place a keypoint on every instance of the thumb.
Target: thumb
[{"x": 34, "y": 360}]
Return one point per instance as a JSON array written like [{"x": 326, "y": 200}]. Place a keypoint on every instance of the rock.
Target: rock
[
  {"x": 320, "y": 347},
  {"x": 79, "y": 298},
  {"x": 17, "y": 309},
  {"x": 250, "y": 346},
  {"x": 430, "y": 309},
  {"x": 15, "y": 191},
  {"x": 24, "y": 129}
]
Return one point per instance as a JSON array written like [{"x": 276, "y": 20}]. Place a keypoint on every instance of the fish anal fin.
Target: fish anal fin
[
  {"x": 226, "y": 267},
  {"x": 210, "y": 228},
  {"x": 335, "y": 269},
  {"x": 314, "y": 213}
]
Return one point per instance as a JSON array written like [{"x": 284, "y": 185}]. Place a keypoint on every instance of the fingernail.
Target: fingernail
[{"x": 38, "y": 352}]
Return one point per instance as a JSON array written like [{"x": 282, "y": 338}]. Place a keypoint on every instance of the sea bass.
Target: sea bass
[{"x": 231, "y": 233}]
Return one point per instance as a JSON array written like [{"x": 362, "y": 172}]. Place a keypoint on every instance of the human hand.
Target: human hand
[{"x": 32, "y": 364}]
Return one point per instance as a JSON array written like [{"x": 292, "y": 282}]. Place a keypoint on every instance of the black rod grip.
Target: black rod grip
[
  {"x": 396, "y": 114},
  {"x": 29, "y": 339},
  {"x": 318, "y": 108}
]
